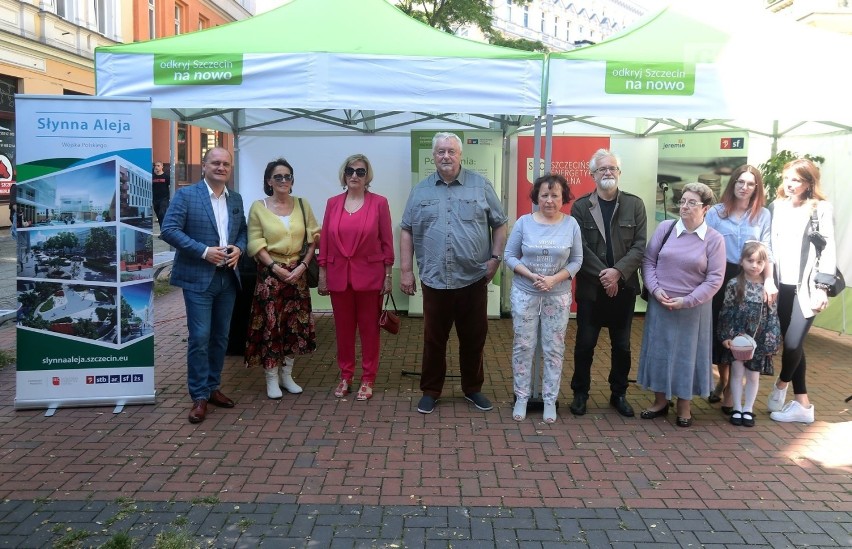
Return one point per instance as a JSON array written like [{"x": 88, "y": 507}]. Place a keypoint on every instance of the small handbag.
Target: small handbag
[
  {"x": 389, "y": 320},
  {"x": 312, "y": 274}
]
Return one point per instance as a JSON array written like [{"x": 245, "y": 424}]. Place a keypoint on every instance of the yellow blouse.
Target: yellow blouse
[{"x": 266, "y": 230}]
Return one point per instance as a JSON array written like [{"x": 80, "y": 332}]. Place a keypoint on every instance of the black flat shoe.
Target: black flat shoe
[
  {"x": 714, "y": 398},
  {"x": 727, "y": 410},
  {"x": 736, "y": 418},
  {"x": 651, "y": 414},
  {"x": 684, "y": 421},
  {"x": 748, "y": 419}
]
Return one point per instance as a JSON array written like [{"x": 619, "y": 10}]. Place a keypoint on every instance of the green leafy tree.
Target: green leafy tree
[
  {"x": 772, "y": 169},
  {"x": 451, "y": 15},
  {"x": 101, "y": 243}
]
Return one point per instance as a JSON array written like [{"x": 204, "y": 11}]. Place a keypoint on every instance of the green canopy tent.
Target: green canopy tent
[{"x": 358, "y": 64}]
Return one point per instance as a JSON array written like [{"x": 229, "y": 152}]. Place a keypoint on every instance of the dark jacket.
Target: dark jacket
[{"x": 629, "y": 234}]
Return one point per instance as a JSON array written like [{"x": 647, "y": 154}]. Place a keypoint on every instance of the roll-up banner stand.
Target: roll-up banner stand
[{"x": 85, "y": 325}]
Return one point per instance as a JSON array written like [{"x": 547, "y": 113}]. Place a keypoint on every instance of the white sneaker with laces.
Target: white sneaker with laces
[
  {"x": 794, "y": 412},
  {"x": 777, "y": 396}
]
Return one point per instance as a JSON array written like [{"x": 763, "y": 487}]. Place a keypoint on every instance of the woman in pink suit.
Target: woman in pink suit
[{"x": 355, "y": 259}]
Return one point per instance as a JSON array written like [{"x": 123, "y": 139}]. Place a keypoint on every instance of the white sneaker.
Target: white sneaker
[
  {"x": 777, "y": 396},
  {"x": 794, "y": 412}
]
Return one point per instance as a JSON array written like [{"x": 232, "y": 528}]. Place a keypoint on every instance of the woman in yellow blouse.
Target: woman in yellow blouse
[{"x": 281, "y": 324}]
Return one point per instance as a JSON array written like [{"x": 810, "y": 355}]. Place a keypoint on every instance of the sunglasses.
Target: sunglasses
[
  {"x": 283, "y": 177},
  {"x": 360, "y": 172}
]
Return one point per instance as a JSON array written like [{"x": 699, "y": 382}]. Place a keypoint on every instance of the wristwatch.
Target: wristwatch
[{"x": 497, "y": 257}]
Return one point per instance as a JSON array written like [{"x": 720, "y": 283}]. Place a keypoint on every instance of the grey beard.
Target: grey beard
[{"x": 608, "y": 184}]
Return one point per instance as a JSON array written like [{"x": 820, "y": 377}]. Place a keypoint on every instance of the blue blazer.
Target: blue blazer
[{"x": 190, "y": 227}]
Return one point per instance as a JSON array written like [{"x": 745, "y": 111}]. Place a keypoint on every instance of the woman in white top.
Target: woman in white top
[{"x": 799, "y": 211}]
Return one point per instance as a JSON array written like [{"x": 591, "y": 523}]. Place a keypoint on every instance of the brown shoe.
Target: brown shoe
[
  {"x": 198, "y": 412},
  {"x": 220, "y": 400}
]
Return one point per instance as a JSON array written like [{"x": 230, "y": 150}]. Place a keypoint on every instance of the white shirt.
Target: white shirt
[{"x": 220, "y": 212}]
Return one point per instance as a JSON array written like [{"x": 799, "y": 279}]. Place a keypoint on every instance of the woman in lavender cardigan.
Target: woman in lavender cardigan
[{"x": 683, "y": 268}]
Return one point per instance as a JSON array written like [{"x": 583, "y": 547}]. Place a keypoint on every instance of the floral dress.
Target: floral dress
[{"x": 744, "y": 317}]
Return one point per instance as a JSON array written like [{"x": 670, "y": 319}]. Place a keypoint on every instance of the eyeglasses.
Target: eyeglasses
[
  {"x": 360, "y": 172},
  {"x": 279, "y": 177},
  {"x": 603, "y": 170},
  {"x": 746, "y": 184},
  {"x": 691, "y": 203}
]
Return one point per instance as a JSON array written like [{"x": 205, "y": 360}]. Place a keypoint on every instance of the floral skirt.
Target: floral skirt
[{"x": 280, "y": 323}]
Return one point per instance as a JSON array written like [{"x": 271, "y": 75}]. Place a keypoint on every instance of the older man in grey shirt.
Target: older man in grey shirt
[{"x": 455, "y": 224}]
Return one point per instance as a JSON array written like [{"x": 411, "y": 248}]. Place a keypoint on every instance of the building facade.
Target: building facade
[
  {"x": 833, "y": 15},
  {"x": 180, "y": 147},
  {"x": 560, "y": 25},
  {"x": 47, "y": 47}
]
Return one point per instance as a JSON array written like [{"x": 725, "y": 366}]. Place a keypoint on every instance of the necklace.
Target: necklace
[{"x": 354, "y": 207}]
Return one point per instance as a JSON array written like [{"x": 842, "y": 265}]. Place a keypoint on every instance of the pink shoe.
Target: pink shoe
[
  {"x": 366, "y": 391},
  {"x": 342, "y": 389}
]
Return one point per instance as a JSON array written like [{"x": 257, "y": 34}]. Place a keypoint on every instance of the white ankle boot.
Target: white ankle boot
[
  {"x": 287, "y": 381},
  {"x": 272, "y": 389}
]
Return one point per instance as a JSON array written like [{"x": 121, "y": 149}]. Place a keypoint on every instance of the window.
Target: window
[
  {"x": 556, "y": 26},
  {"x": 203, "y": 23},
  {"x": 101, "y": 16},
  {"x": 178, "y": 18},
  {"x": 509, "y": 10},
  {"x": 526, "y": 16},
  {"x": 152, "y": 20},
  {"x": 65, "y": 9},
  {"x": 541, "y": 27}
]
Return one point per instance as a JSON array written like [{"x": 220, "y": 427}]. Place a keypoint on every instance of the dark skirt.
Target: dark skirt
[{"x": 281, "y": 322}]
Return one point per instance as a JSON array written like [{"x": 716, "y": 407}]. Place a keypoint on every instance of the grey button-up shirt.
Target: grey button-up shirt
[{"x": 451, "y": 228}]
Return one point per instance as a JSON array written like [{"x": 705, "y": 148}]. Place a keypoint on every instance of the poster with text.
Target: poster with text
[
  {"x": 570, "y": 158},
  {"x": 695, "y": 157},
  {"x": 85, "y": 322},
  {"x": 482, "y": 152}
]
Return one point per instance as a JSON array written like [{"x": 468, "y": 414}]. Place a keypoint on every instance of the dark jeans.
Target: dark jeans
[
  {"x": 160, "y": 206},
  {"x": 794, "y": 328},
  {"x": 208, "y": 319},
  {"x": 467, "y": 308},
  {"x": 616, "y": 313}
]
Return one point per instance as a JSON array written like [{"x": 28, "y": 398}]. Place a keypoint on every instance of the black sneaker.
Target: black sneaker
[
  {"x": 479, "y": 401},
  {"x": 426, "y": 404}
]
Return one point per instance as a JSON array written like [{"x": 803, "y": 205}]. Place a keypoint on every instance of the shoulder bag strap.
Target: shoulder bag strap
[{"x": 305, "y": 221}]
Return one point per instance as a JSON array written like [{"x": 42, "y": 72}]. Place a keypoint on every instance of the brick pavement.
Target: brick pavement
[{"x": 312, "y": 470}]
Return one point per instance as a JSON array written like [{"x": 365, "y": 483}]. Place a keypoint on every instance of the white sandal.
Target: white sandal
[
  {"x": 549, "y": 414},
  {"x": 520, "y": 411}
]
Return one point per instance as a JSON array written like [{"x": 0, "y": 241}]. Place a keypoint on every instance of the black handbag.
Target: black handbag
[
  {"x": 833, "y": 284},
  {"x": 312, "y": 272}
]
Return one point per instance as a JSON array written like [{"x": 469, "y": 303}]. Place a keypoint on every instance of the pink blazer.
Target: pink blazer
[{"x": 364, "y": 266}]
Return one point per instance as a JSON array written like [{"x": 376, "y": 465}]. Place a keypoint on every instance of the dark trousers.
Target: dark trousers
[
  {"x": 616, "y": 313},
  {"x": 794, "y": 328},
  {"x": 161, "y": 204},
  {"x": 467, "y": 308}
]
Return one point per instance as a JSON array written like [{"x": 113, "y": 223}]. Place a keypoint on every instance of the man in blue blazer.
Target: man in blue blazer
[{"x": 207, "y": 225}]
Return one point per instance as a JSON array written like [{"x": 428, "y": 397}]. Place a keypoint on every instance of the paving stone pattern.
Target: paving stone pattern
[{"x": 311, "y": 470}]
